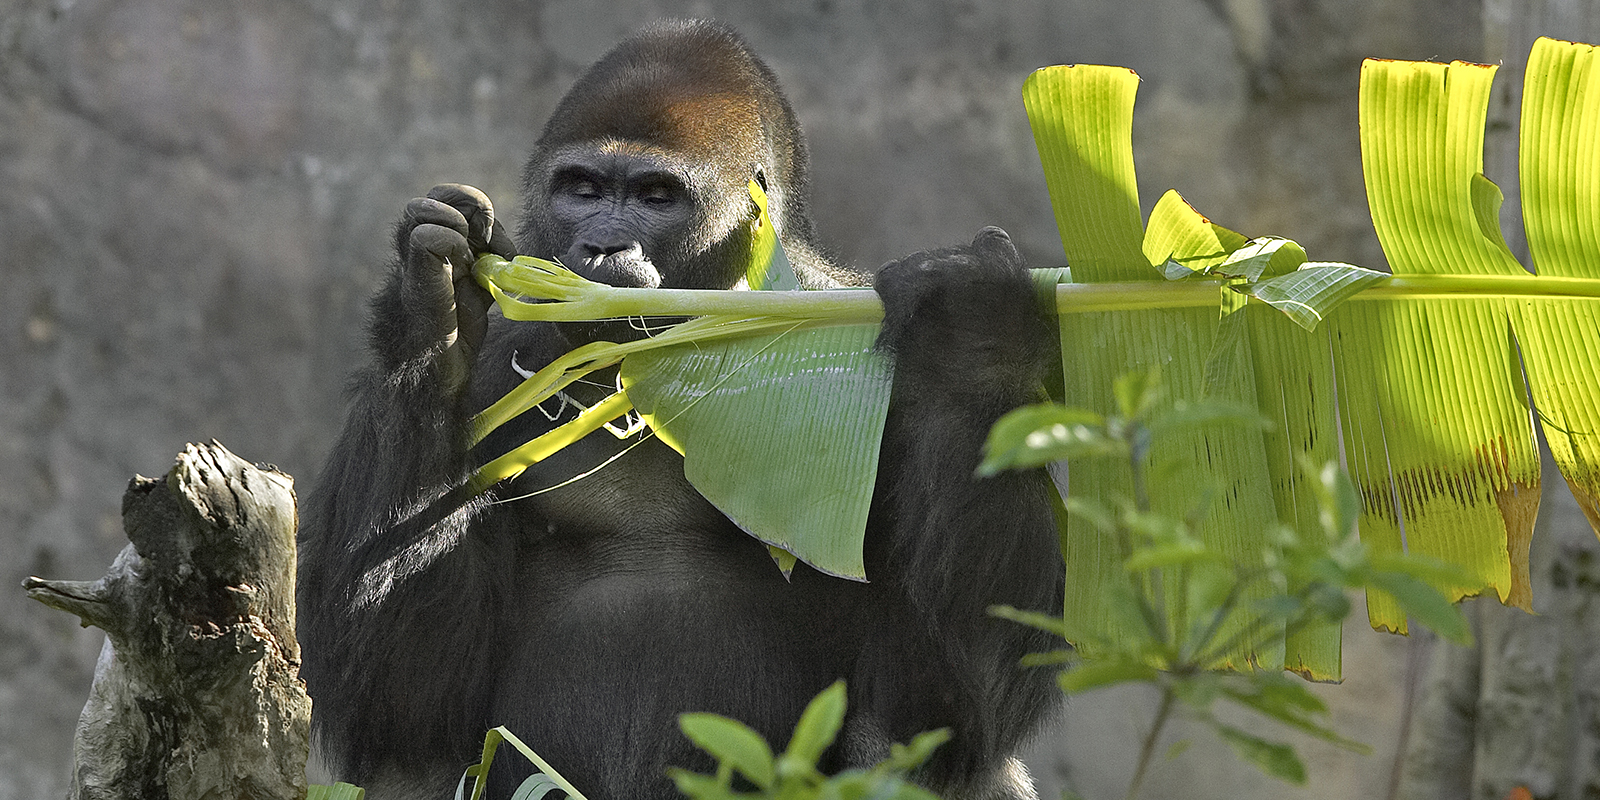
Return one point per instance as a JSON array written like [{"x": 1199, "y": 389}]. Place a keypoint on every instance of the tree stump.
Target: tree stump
[{"x": 197, "y": 691}]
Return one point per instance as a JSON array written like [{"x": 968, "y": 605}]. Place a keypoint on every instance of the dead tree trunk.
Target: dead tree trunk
[{"x": 197, "y": 693}]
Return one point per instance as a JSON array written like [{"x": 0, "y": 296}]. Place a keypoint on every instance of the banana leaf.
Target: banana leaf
[{"x": 1429, "y": 382}]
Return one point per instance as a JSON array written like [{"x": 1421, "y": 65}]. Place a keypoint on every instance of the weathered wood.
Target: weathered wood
[{"x": 197, "y": 693}]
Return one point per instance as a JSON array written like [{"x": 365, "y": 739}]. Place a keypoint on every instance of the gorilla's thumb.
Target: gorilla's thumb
[{"x": 996, "y": 242}]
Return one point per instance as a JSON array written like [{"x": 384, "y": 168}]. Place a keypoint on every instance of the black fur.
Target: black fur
[{"x": 586, "y": 618}]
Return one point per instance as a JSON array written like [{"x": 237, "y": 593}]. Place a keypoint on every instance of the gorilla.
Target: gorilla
[{"x": 585, "y": 617}]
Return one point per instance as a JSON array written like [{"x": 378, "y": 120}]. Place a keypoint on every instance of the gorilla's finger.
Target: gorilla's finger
[
  {"x": 472, "y": 315},
  {"x": 994, "y": 242},
  {"x": 428, "y": 286},
  {"x": 475, "y": 208},
  {"x": 429, "y": 211},
  {"x": 500, "y": 242}
]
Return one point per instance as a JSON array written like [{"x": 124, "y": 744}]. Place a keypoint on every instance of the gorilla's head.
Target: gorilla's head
[{"x": 641, "y": 176}]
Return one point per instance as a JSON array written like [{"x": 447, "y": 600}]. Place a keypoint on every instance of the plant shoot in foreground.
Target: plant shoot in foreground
[{"x": 1183, "y": 608}]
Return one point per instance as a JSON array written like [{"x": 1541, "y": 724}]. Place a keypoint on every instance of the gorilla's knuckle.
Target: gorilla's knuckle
[
  {"x": 429, "y": 211},
  {"x": 468, "y": 201},
  {"x": 436, "y": 240}
]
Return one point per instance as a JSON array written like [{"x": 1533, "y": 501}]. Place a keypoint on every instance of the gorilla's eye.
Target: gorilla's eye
[
  {"x": 577, "y": 182},
  {"x": 657, "y": 194}
]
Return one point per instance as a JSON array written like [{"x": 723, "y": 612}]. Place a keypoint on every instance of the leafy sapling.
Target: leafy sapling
[
  {"x": 793, "y": 775},
  {"x": 1185, "y": 612}
]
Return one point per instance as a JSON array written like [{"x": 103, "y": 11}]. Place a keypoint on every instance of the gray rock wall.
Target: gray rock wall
[{"x": 195, "y": 198}]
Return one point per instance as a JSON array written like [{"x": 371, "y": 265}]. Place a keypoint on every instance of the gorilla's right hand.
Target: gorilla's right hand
[{"x": 437, "y": 241}]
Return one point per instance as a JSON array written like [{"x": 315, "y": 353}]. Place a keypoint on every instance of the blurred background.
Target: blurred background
[{"x": 196, "y": 198}]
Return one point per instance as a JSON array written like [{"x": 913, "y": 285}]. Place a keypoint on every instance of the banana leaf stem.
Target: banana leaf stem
[{"x": 575, "y": 299}]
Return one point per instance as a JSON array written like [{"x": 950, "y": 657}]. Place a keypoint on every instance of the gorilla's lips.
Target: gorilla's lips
[{"x": 627, "y": 269}]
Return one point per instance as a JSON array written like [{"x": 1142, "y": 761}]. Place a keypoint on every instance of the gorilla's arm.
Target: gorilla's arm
[
  {"x": 372, "y": 531},
  {"x": 969, "y": 344}
]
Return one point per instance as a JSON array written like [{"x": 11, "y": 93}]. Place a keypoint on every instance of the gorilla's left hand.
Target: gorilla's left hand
[
  {"x": 440, "y": 301},
  {"x": 965, "y": 320}
]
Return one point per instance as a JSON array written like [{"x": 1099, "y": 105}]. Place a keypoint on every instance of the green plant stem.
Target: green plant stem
[
  {"x": 1148, "y": 749},
  {"x": 587, "y": 301},
  {"x": 1156, "y": 616},
  {"x": 1127, "y": 295},
  {"x": 1256, "y": 627},
  {"x": 1201, "y": 656}
]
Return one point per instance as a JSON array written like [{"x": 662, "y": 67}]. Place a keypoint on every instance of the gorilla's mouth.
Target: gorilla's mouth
[{"x": 627, "y": 269}]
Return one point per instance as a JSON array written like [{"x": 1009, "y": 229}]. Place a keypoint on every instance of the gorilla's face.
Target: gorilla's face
[{"x": 641, "y": 216}]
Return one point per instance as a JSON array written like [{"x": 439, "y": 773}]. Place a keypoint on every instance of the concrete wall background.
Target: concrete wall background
[{"x": 197, "y": 196}]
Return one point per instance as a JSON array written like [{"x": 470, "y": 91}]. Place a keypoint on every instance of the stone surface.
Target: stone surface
[{"x": 197, "y": 197}]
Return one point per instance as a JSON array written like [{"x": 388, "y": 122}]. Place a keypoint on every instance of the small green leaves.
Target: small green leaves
[
  {"x": 1397, "y": 576},
  {"x": 733, "y": 743},
  {"x": 1032, "y": 436},
  {"x": 1291, "y": 702},
  {"x": 338, "y": 791},
  {"x": 545, "y": 781},
  {"x": 1100, "y": 673},
  {"x": 819, "y": 723},
  {"x": 794, "y": 775},
  {"x": 1183, "y": 608},
  {"x": 1206, "y": 412},
  {"x": 907, "y": 757},
  {"x": 1137, "y": 392},
  {"x": 1275, "y": 759}
]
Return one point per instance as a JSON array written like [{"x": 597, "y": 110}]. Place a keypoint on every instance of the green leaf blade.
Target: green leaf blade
[
  {"x": 732, "y": 743},
  {"x": 1098, "y": 350},
  {"x": 1100, "y": 673},
  {"x": 1437, "y": 434},
  {"x": 1309, "y": 294},
  {"x": 781, "y": 433},
  {"x": 1422, "y": 130},
  {"x": 1560, "y": 170},
  {"x": 818, "y": 725},
  {"x": 1033, "y": 436},
  {"x": 1082, "y": 120},
  {"x": 1559, "y": 163},
  {"x": 1560, "y": 346},
  {"x": 769, "y": 267},
  {"x": 1179, "y": 233},
  {"x": 1437, "y": 440}
]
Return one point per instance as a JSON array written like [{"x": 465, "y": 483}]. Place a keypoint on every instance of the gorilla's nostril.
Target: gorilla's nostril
[{"x": 597, "y": 249}]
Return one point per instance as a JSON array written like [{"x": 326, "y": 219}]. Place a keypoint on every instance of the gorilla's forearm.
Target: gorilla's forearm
[{"x": 373, "y": 532}]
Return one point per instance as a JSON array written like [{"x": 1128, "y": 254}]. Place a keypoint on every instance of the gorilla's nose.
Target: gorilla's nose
[
  {"x": 616, "y": 263},
  {"x": 591, "y": 249}
]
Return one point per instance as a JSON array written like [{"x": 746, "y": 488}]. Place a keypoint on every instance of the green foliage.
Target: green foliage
[
  {"x": 338, "y": 791},
  {"x": 1184, "y": 606},
  {"x": 541, "y": 783},
  {"x": 781, "y": 432},
  {"x": 793, "y": 775}
]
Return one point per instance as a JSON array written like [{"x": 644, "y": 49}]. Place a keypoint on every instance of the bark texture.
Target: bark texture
[{"x": 196, "y": 693}]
